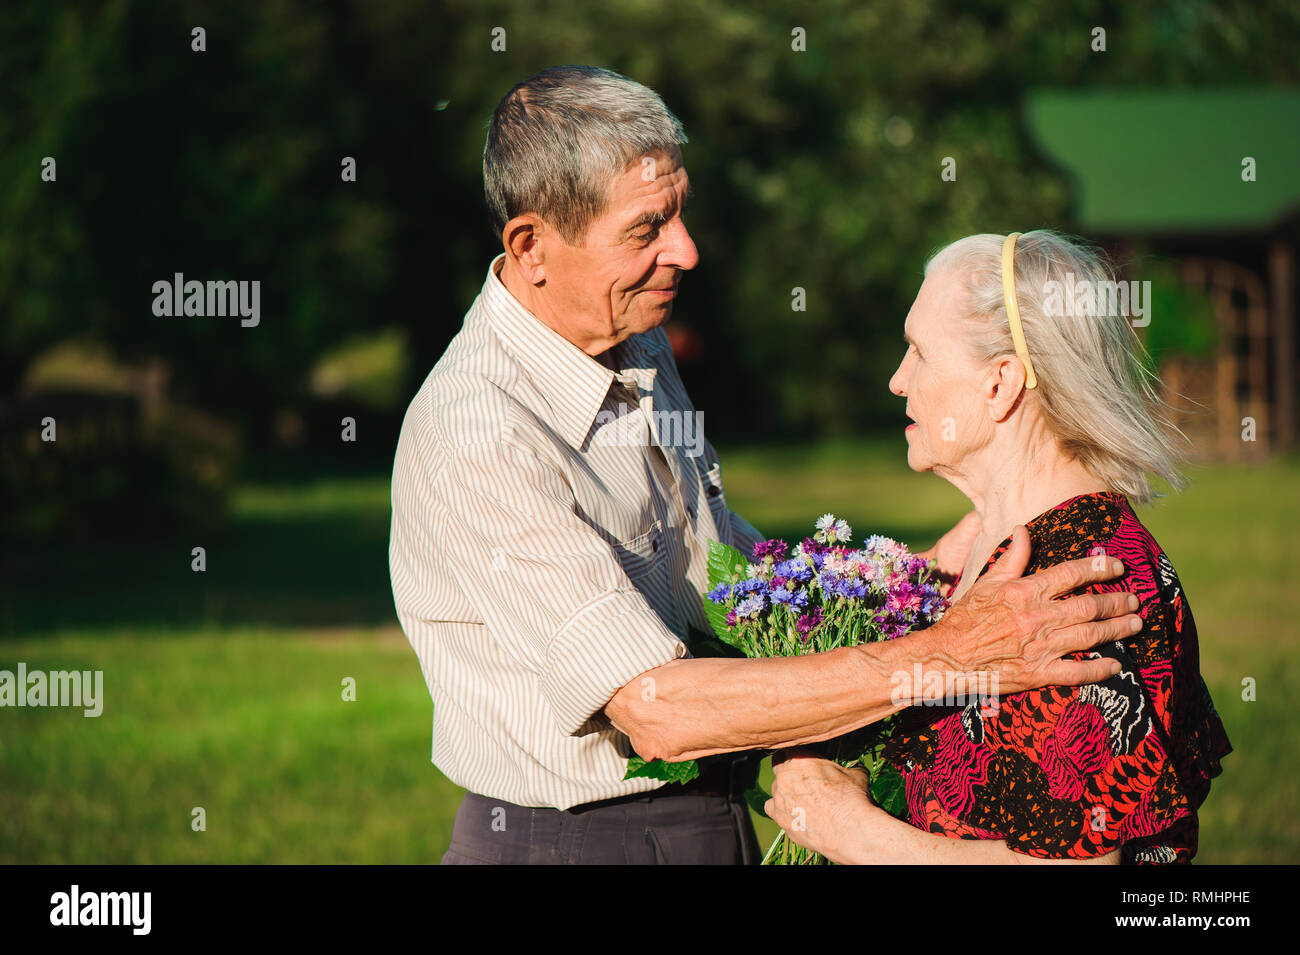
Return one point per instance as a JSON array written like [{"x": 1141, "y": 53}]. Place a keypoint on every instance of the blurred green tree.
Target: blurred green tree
[{"x": 817, "y": 170}]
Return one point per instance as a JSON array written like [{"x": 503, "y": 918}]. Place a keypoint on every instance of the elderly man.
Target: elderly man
[{"x": 551, "y": 526}]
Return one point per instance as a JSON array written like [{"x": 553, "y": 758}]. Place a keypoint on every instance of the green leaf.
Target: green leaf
[
  {"x": 887, "y": 789},
  {"x": 716, "y": 614},
  {"x": 724, "y": 563},
  {"x": 682, "y": 772},
  {"x": 757, "y": 799}
]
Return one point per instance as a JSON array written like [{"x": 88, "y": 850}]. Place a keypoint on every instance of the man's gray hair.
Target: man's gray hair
[{"x": 559, "y": 138}]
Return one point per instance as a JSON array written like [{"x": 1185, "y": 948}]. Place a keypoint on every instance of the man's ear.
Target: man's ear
[
  {"x": 1005, "y": 384},
  {"x": 524, "y": 238}
]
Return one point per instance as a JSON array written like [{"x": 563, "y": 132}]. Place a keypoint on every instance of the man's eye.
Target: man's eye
[{"x": 647, "y": 236}]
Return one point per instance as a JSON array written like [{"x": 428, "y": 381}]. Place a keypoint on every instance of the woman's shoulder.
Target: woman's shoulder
[
  {"x": 1103, "y": 525},
  {"x": 1100, "y": 524},
  {"x": 1082, "y": 526}
]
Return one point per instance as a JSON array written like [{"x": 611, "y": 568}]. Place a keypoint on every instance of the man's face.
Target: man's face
[{"x": 623, "y": 278}]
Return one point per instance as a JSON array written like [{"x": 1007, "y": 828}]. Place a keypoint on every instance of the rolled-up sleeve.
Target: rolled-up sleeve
[{"x": 548, "y": 586}]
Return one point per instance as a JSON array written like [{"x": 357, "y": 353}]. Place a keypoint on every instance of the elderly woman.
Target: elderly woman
[{"x": 1041, "y": 413}]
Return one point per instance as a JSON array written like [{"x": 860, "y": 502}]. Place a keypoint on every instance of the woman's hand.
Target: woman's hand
[{"x": 821, "y": 805}]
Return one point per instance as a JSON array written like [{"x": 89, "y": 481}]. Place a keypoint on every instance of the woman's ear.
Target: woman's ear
[
  {"x": 523, "y": 241},
  {"x": 1004, "y": 386}
]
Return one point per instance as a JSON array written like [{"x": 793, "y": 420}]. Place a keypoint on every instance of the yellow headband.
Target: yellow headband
[{"x": 1013, "y": 310}]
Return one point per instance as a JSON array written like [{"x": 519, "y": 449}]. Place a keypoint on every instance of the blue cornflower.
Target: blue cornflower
[
  {"x": 851, "y": 587},
  {"x": 794, "y": 569}
]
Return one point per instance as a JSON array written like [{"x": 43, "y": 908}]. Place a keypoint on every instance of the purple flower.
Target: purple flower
[
  {"x": 809, "y": 621},
  {"x": 750, "y": 607},
  {"x": 780, "y": 595},
  {"x": 720, "y": 593},
  {"x": 813, "y": 547},
  {"x": 905, "y": 597},
  {"x": 747, "y": 587},
  {"x": 731, "y": 618},
  {"x": 776, "y": 549}
]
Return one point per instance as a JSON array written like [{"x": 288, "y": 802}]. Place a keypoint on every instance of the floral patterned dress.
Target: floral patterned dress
[{"x": 1077, "y": 772}]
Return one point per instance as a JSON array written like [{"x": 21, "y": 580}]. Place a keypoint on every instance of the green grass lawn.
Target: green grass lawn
[{"x": 223, "y": 690}]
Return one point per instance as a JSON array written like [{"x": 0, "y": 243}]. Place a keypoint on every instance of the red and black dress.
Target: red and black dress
[{"x": 1077, "y": 772}]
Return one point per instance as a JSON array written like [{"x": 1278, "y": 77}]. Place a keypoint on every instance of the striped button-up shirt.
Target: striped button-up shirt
[{"x": 551, "y": 520}]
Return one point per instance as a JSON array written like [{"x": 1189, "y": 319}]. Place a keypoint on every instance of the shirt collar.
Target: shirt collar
[{"x": 573, "y": 383}]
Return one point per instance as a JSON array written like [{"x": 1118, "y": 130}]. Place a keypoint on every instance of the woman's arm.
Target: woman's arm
[
  {"x": 827, "y": 809},
  {"x": 878, "y": 838}
]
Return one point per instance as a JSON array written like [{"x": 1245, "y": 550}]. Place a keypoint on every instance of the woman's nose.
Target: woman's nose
[{"x": 896, "y": 382}]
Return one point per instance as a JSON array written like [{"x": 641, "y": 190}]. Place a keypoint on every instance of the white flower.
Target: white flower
[
  {"x": 842, "y": 531},
  {"x": 825, "y": 522}
]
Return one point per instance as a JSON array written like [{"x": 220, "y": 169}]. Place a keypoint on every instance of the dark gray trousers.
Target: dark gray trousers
[{"x": 652, "y": 829}]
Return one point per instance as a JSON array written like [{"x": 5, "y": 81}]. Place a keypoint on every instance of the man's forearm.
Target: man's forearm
[{"x": 699, "y": 707}]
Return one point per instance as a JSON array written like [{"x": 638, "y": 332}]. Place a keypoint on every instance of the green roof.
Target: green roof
[{"x": 1152, "y": 162}]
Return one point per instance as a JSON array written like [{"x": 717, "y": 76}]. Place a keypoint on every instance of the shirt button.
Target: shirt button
[
  {"x": 714, "y": 490},
  {"x": 656, "y": 545}
]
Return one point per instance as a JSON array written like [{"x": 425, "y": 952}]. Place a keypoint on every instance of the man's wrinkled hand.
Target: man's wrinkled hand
[{"x": 1015, "y": 627}]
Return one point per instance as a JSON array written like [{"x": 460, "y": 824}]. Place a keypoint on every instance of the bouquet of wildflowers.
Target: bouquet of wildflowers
[{"x": 818, "y": 596}]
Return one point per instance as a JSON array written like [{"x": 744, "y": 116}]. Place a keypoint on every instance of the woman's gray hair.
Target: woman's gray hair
[
  {"x": 558, "y": 139},
  {"x": 1095, "y": 392}
]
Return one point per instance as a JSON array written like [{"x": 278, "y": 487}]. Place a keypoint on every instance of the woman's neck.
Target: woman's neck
[{"x": 1013, "y": 488}]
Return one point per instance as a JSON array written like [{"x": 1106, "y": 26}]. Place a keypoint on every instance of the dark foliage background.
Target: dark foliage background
[{"x": 817, "y": 170}]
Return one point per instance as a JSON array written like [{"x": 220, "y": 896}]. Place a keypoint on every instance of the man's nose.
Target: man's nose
[{"x": 680, "y": 251}]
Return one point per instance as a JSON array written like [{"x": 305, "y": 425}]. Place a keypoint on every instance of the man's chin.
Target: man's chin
[{"x": 654, "y": 317}]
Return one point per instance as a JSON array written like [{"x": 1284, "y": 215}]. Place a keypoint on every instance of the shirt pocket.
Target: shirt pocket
[{"x": 642, "y": 555}]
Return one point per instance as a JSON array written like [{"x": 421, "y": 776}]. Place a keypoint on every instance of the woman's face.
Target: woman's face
[{"x": 941, "y": 379}]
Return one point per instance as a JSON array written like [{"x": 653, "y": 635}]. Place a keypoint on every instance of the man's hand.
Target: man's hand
[{"x": 1011, "y": 625}]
